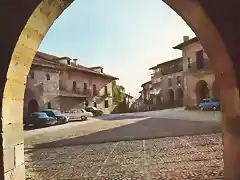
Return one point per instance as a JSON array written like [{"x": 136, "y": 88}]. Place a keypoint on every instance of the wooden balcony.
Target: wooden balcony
[
  {"x": 194, "y": 66},
  {"x": 171, "y": 70},
  {"x": 198, "y": 71},
  {"x": 78, "y": 92}
]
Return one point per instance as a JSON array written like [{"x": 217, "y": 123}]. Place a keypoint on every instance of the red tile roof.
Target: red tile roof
[
  {"x": 158, "y": 65},
  {"x": 53, "y": 59}
]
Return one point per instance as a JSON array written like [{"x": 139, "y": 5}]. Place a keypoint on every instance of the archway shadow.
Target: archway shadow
[{"x": 149, "y": 128}]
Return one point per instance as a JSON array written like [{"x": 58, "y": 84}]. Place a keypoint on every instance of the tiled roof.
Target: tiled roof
[
  {"x": 190, "y": 41},
  {"x": 148, "y": 82},
  {"x": 158, "y": 65},
  {"x": 48, "y": 60}
]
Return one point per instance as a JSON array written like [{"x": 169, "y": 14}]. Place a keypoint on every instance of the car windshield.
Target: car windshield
[
  {"x": 49, "y": 113},
  {"x": 83, "y": 110}
]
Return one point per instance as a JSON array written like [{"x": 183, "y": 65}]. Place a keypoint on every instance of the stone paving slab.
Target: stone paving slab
[{"x": 197, "y": 157}]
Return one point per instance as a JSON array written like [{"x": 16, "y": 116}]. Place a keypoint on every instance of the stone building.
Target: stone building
[
  {"x": 146, "y": 96},
  {"x": 167, "y": 83},
  {"x": 199, "y": 78},
  {"x": 61, "y": 83}
]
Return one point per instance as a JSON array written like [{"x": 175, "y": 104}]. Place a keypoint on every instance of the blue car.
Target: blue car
[
  {"x": 210, "y": 104},
  {"x": 39, "y": 119}
]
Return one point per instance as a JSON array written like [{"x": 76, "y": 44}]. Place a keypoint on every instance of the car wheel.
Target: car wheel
[
  {"x": 214, "y": 108},
  {"x": 83, "y": 118},
  {"x": 201, "y": 108}
]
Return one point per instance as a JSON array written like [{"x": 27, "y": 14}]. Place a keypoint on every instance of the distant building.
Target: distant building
[
  {"x": 146, "y": 95},
  {"x": 167, "y": 83},
  {"x": 61, "y": 83},
  {"x": 199, "y": 81}
]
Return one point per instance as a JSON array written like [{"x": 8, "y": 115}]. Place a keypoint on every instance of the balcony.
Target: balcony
[
  {"x": 195, "y": 68},
  {"x": 78, "y": 92},
  {"x": 157, "y": 82},
  {"x": 171, "y": 70},
  {"x": 156, "y": 74}
]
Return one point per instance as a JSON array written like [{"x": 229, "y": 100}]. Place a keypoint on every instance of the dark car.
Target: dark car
[
  {"x": 94, "y": 110},
  {"x": 210, "y": 104},
  {"x": 61, "y": 118},
  {"x": 39, "y": 119}
]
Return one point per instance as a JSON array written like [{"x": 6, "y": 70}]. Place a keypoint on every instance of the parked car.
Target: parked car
[
  {"x": 210, "y": 103},
  {"x": 61, "y": 118},
  {"x": 39, "y": 119},
  {"x": 94, "y": 110},
  {"x": 80, "y": 114}
]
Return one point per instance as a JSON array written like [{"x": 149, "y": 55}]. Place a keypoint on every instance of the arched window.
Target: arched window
[{"x": 48, "y": 76}]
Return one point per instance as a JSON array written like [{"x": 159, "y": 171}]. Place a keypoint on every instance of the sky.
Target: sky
[{"x": 126, "y": 37}]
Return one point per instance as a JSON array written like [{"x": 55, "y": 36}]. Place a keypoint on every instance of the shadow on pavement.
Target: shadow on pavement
[
  {"x": 146, "y": 129},
  {"x": 118, "y": 117}
]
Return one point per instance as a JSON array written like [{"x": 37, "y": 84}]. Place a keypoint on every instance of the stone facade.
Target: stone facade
[
  {"x": 59, "y": 84},
  {"x": 167, "y": 83},
  {"x": 198, "y": 75}
]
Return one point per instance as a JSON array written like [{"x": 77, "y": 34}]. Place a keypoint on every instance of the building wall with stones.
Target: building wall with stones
[
  {"x": 45, "y": 91},
  {"x": 51, "y": 84},
  {"x": 193, "y": 75}
]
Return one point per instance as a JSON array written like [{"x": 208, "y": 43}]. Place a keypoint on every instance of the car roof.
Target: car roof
[{"x": 39, "y": 113}]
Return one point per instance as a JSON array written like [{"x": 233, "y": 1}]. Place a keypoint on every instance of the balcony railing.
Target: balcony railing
[
  {"x": 78, "y": 92},
  {"x": 169, "y": 70},
  {"x": 194, "y": 66},
  {"x": 156, "y": 74}
]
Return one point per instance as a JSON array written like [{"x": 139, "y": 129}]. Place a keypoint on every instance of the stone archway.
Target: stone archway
[
  {"x": 33, "y": 106},
  {"x": 28, "y": 22},
  {"x": 202, "y": 90}
]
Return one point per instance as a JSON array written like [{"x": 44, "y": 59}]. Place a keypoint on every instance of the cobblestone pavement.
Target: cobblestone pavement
[
  {"x": 197, "y": 157},
  {"x": 126, "y": 147}
]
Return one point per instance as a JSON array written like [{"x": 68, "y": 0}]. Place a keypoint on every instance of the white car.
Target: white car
[{"x": 81, "y": 114}]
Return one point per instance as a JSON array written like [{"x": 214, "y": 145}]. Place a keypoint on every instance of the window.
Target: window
[
  {"x": 105, "y": 90},
  {"x": 95, "y": 104},
  {"x": 106, "y": 103},
  {"x": 48, "y": 76},
  {"x": 178, "y": 80},
  {"x": 32, "y": 74},
  {"x": 85, "y": 87},
  {"x": 200, "y": 59},
  {"x": 74, "y": 86},
  {"x": 49, "y": 105},
  {"x": 169, "y": 82},
  {"x": 94, "y": 89},
  {"x": 189, "y": 62}
]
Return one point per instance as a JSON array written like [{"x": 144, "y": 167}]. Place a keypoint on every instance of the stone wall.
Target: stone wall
[{"x": 42, "y": 90}]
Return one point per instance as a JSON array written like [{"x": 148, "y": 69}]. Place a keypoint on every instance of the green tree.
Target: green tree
[{"x": 118, "y": 93}]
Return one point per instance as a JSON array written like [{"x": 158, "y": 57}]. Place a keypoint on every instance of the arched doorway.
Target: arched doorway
[
  {"x": 170, "y": 97},
  {"x": 179, "y": 96},
  {"x": 202, "y": 90},
  {"x": 33, "y": 106}
]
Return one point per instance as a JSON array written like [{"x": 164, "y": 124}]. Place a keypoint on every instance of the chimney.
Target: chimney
[
  {"x": 185, "y": 38},
  {"x": 74, "y": 61}
]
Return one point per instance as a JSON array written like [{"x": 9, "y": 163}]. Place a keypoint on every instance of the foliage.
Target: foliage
[{"x": 118, "y": 93}]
